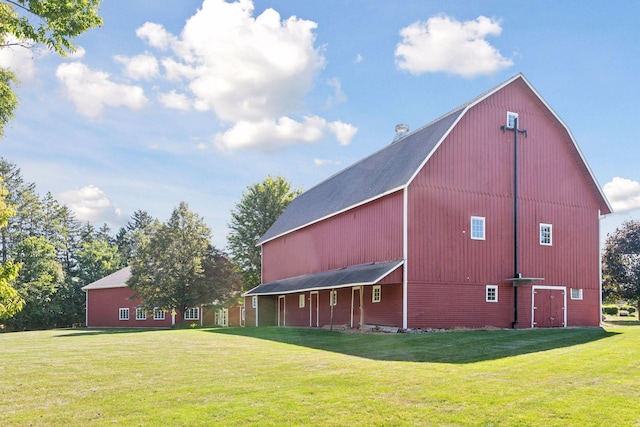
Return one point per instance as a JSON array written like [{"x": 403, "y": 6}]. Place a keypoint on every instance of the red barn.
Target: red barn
[
  {"x": 110, "y": 303},
  {"x": 487, "y": 216}
]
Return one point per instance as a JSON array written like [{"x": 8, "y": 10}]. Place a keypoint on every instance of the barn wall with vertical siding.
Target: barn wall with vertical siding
[
  {"x": 471, "y": 174},
  {"x": 368, "y": 233},
  {"x": 104, "y": 310}
]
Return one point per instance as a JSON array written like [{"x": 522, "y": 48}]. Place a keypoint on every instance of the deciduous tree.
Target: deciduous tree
[
  {"x": 27, "y": 23},
  {"x": 261, "y": 204},
  {"x": 621, "y": 262},
  {"x": 39, "y": 279},
  {"x": 10, "y": 300},
  {"x": 167, "y": 270}
]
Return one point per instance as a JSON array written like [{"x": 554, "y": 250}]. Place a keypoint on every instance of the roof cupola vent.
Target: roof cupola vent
[{"x": 401, "y": 130}]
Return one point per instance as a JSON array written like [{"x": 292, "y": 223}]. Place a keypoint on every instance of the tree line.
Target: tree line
[{"x": 47, "y": 255}]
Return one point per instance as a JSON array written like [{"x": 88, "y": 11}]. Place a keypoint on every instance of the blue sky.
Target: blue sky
[{"x": 194, "y": 101}]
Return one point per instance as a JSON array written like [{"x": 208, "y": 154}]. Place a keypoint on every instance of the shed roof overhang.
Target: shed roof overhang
[{"x": 357, "y": 275}]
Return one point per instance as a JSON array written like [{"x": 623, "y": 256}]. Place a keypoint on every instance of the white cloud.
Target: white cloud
[
  {"x": 338, "y": 96},
  {"x": 19, "y": 58},
  {"x": 155, "y": 35},
  {"x": 90, "y": 204},
  {"x": 91, "y": 90},
  {"x": 140, "y": 67},
  {"x": 325, "y": 162},
  {"x": 78, "y": 54},
  {"x": 359, "y": 59},
  {"x": 177, "y": 101},
  {"x": 442, "y": 44},
  {"x": 623, "y": 194},
  {"x": 344, "y": 132},
  {"x": 253, "y": 72},
  {"x": 272, "y": 135}
]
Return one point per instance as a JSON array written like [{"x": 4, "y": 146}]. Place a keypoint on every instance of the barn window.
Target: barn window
[
  {"x": 141, "y": 314},
  {"x": 545, "y": 235},
  {"x": 492, "y": 293},
  {"x": 124, "y": 314},
  {"x": 192, "y": 314},
  {"x": 158, "y": 314},
  {"x": 301, "y": 301},
  {"x": 477, "y": 228},
  {"x": 254, "y": 301},
  {"x": 576, "y": 293},
  {"x": 376, "y": 295},
  {"x": 333, "y": 298},
  {"x": 511, "y": 119}
]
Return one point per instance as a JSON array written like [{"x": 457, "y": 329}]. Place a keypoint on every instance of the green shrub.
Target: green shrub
[{"x": 611, "y": 310}]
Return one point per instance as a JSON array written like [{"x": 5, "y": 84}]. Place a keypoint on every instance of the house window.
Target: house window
[
  {"x": 511, "y": 120},
  {"x": 492, "y": 293},
  {"x": 301, "y": 301},
  {"x": 545, "y": 234},
  {"x": 254, "y": 301},
  {"x": 141, "y": 314},
  {"x": 376, "y": 294},
  {"x": 192, "y": 314},
  {"x": 477, "y": 228},
  {"x": 333, "y": 298},
  {"x": 576, "y": 293},
  {"x": 124, "y": 314},
  {"x": 158, "y": 314}
]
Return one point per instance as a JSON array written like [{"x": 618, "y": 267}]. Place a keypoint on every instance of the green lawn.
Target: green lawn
[{"x": 274, "y": 376}]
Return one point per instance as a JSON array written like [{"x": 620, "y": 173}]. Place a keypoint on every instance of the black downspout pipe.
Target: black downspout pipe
[{"x": 516, "y": 267}]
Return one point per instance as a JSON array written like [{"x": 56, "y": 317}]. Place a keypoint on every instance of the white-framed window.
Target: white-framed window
[
  {"x": 546, "y": 235},
  {"x": 124, "y": 314},
  {"x": 141, "y": 314},
  {"x": 158, "y": 314},
  {"x": 477, "y": 228},
  {"x": 576, "y": 293},
  {"x": 376, "y": 293},
  {"x": 492, "y": 293},
  {"x": 301, "y": 299},
  {"x": 511, "y": 119},
  {"x": 333, "y": 298},
  {"x": 254, "y": 301},
  {"x": 192, "y": 314}
]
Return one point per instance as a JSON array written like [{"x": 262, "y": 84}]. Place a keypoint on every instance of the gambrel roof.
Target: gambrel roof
[
  {"x": 114, "y": 280},
  {"x": 388, "y": 170}
]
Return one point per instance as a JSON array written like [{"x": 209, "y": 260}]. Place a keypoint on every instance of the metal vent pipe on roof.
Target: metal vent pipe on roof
[{"x": 401, "y": 130}]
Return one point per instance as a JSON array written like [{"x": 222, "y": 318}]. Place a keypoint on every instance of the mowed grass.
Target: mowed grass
[{"x": 279, "y": 376}]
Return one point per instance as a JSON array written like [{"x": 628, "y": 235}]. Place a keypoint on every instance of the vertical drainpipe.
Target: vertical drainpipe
[
  {"x": 86, "y": 309},
  {"x": 405, "y": 250},
  {"x": 516, "y": 267},
  {"x": 600, "y": 217}
]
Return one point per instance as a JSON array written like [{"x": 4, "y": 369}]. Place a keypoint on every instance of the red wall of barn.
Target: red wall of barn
[
  {"x": 103, "y": 310},
  {"x": 471, "y": 174},
  {"x": 368, "y": 233}
]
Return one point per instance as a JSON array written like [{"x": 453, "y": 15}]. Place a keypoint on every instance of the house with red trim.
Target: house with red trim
[
  {"x": 110, "y": 303},
  {"x": 487, "y": 216}
]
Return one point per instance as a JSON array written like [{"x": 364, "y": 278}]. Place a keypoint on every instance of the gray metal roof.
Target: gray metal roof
[
  {"x": 114, "y": 280},
  {"x": 364, "y": 274},
  {"x": 390, "y": 169},
  {"x": 387, "y": 170}
]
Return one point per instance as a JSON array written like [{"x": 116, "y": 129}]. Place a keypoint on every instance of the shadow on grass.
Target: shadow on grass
[{"x": 444, "y": 347}]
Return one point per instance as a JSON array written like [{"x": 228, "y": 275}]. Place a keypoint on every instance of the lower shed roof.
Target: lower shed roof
[{"x": 363, "y": 274}]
